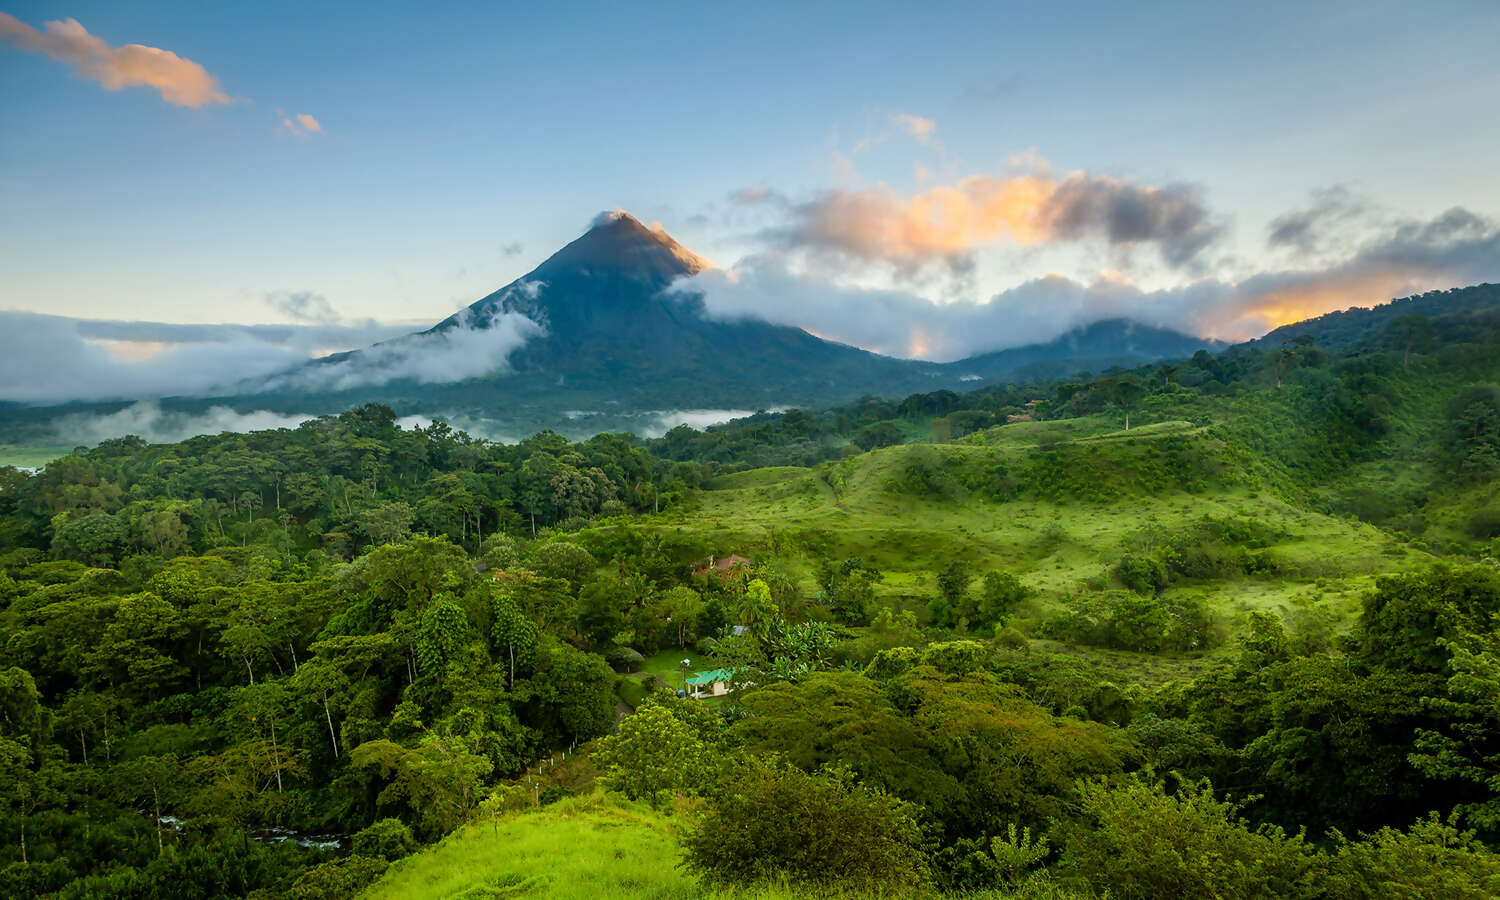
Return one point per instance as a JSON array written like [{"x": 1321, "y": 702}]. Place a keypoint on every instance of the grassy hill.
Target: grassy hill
[
  {"x": 586, "y": 847},
  {"x": 589, "y": 847},
  {"x": 1057, "y": 504}
]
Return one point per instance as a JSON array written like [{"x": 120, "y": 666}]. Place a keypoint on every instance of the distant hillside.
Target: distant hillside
[
  {"x": 1094, "y": 347},
  {"x": 1340, "y": 329}
]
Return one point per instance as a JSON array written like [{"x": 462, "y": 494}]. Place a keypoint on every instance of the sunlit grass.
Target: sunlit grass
[
  {"x": 592, "y": 847},
  {"x": 1056, "y": 547}
]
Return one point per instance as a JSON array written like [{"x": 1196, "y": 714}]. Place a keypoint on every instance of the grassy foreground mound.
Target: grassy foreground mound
[
  {"x": 587, "y": 847},
  {"x": 591, "y": 847}
]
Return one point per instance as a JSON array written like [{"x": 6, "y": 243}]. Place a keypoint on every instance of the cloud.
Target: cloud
[
  {"x": 440, "y": 355},
  {"x": 146, "y": 419},
  {"x": 304, "y": 306},
  {"x": 54, "y": 359},
  {"x": 453, "y": 354},
  {"x": 514, "y": 248},
  {"x": 981, "y": 92},
  {"x": 1307, "y": 231},
  {"x": 1457, "y": 247},
  {"x": 149, "y": 420},
  {"x": 1124, "y": 214},
  {"x": 754, "y": 195},
  {"x": 945, "y": 223},
  {"x": 924, "y": 130},
  {"x": 180, "y": 82},
  {"x": 608, "y": 216},
  {"x": 299, "y": 125}
]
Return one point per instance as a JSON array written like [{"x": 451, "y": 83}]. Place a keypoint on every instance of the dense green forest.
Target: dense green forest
[{"x": 1227, "y": 626}]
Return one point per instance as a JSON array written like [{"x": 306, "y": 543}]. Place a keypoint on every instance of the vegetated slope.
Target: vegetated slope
[
  {"x": 585, "y": 847},
  {"x": 1058, "y": 504},
  {"x": 1340, "y": 329},
  {"x": 1093, "y": 347},
  {"x": 588, "y": 846}
]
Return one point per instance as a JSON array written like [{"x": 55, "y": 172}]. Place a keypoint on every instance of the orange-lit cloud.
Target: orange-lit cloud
[
  {"x": 948, "y": 221},
  {"x": 924, "y": 130},
  {"x": 1457, "y": 247},
  {"x": 181, "y": 82},
  {"x": 299, "y": 125}
]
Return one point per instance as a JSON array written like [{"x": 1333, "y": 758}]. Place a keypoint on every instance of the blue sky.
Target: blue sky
[{"x": 460, "y": 144}]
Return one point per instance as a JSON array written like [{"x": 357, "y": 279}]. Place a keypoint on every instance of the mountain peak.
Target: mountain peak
[{"x": 620, "y": 243}]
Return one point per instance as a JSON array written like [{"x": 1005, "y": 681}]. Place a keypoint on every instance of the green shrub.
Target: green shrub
[
  {"x": 956, "y": 658},
  {"x": 624, "y": 659},
  {"x": 1009, "y": 637},
  {"x": 773, "y": 821},
  {"x": 1431, "y": 859},
  {"x": 1140, "y": 843},
  {"x": 1142, "y": 574},
  {"x": 338, "y": 879},
  {"x": 388, "y": 839},
  {"x": 1485, "y": 523}
]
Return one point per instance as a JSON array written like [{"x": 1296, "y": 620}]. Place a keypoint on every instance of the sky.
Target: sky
[{"x": 928, "y": 180}]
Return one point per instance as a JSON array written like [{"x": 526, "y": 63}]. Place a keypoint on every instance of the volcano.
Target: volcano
[
  {"x": 607, "y": 334},
  {"x": 601, "y": 323}
]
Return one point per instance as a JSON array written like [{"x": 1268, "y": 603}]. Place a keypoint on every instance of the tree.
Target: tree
[
  {"x": 848, "y": 589},
  {"x": 499, "y": 551},
  {"x": 560, "y": 559},
  {"x": 237, "y": 783},
  {"x": 845, "y": 719},
  {"x": 387, "y": 523},
  {"x": 570, "y": 694},
  {"x": 953, "y": 594},
  {"x": 1125, "y": 390},
  {"x": 755, "y": 609},
  {"x": 1473, "y": 431},
  {"x": 18, "y": 783},
  {"x": 322, "y": 678},
  {"x": 1167, "y": 373},
  {"x": 1464, "y": 747},
  {"x": 1140, "y": 843},
  {"x": 773, "y": 821},
  {"x": 442, "y": 633},
  {"x": 1000, "y": 596},
  {"x": 162, "y": 530},
  {"x": 1409, "y": 622},
  {"x": 97, "y": 539},
  {"x": 514, "y": 635},
  {"x": 1408, "y": 333},
  {"x": 881, "y": 434},
  {"x": 653, "y": 755},
  {"x": 1430, "y": 859},
  {"x": 602, "y": 607},
  {"x": 154, "y": 780},
  {"x": 438, "y": 780},
  {"x": 683, "y": 607},
  {"x": 133, "y": 655}
]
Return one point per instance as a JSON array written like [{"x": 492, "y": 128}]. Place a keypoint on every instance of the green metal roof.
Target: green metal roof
[{"x": 710, "y": 676}]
